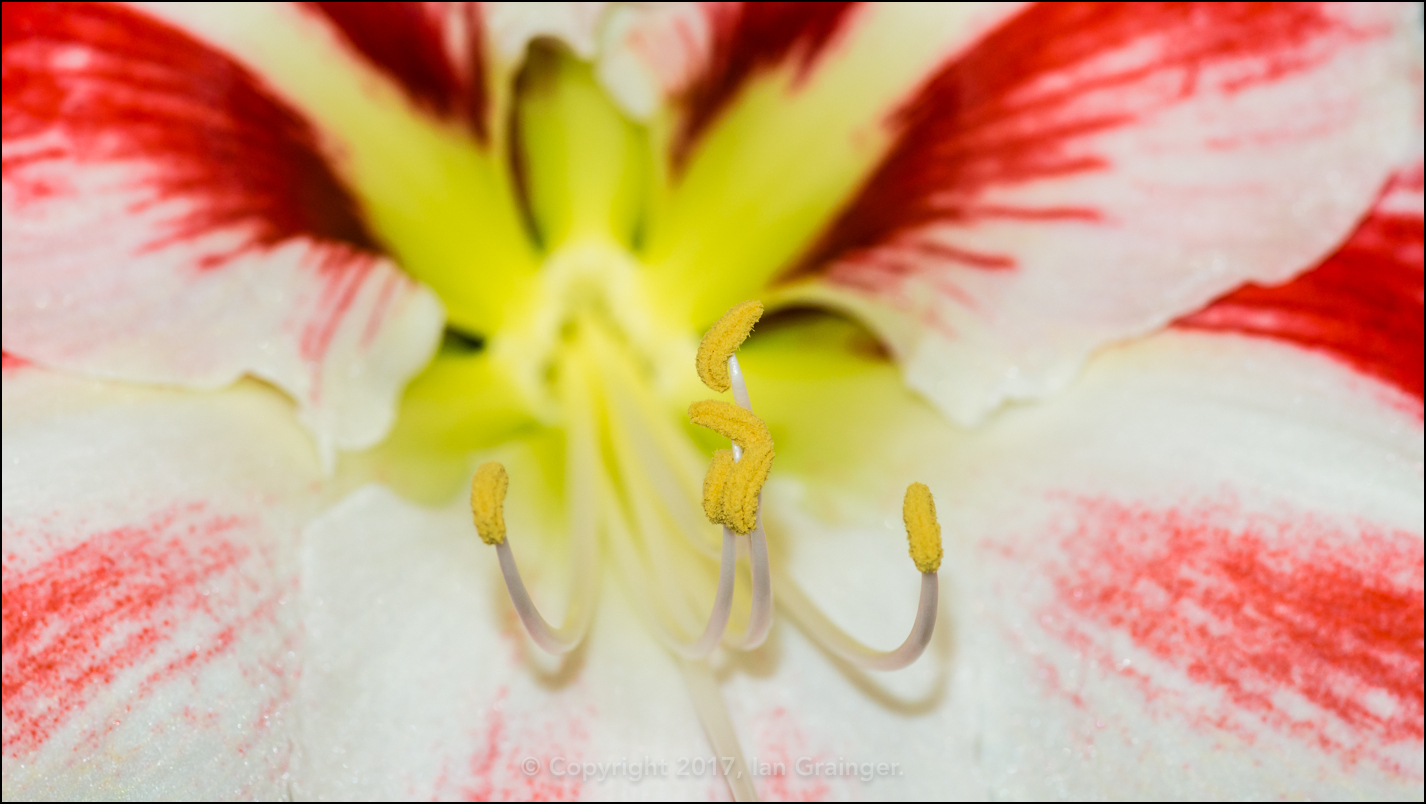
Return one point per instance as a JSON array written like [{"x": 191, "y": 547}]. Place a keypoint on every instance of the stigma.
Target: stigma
[{"x": 646, "y": 453}]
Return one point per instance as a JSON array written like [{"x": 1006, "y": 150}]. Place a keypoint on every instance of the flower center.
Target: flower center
[
  {"x": 634, "y": 480},
  {"x": 592, "y": 359},
  {"x": 589, "y": 288},
  {"x": 594, "y": 344}
]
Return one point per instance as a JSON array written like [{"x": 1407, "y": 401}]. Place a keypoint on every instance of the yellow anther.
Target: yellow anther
[
  {"x": 730, "y": 490},
  {"x": 715, "y": 482},
  {"x": 740, "y": 495},
  {"x": 923, "y": 532},
  {"x": 722, "y": 340},
  {"x": 730, "y": 421},
  {"x": 487, "y": 501}
]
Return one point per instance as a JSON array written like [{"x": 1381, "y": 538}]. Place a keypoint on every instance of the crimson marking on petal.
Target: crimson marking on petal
[
  {"x": 411, "y": 43},
  {"x": 781, "y": 744},
  {"x": 78, "y": 620},
  {"x": 384, "y": 298},
  {"x": 496, "y": 771},
  {"x": 748, "y": 38},
  {"x": 1362, "y": 305},
  {"x": 1018, "y": 107},
  {"x": 12, "y": 363},
  {"x": 99, "y": 83},
  {"x": 1310, "y": 626},
  {"x": 343, "y": 275}
]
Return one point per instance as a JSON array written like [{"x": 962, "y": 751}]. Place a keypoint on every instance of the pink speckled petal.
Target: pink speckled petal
[{"x": 149, "y": 589}]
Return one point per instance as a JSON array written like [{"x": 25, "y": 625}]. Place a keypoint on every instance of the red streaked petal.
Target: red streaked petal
[
  {"x": 97, "y": 84},
  {"x": 1270, "y": 611},
  {"x": 149, "y": 621},
  {"x": 166, "y": 219},
  {"x": 1087, "y": 172},
  {"x": 433, "y": 51},
  {"x": 1363, "y": 304},
  {"x": 744, "y": 39},
  {"x": 1195, "y": 572},
  {"x": 1009, "y": 111},
  {"x": 792, "y": 122},
  {"x": 76, "y": 620}
]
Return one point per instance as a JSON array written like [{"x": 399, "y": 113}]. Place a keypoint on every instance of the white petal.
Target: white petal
[
  {"x": 513, "y": 25},
  {"x": 150, "y": 589},
  {"x": 420, "y": 683}
]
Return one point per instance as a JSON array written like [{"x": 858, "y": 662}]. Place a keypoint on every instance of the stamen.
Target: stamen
[
  {"x": 740, "y": 388},
  {"x": 649, "y": 525},
  {"x": 730, "y": 493},
  {"x": 730, "y": 421},
  {"x": 722, "y": 604},
  {"x": 760, "y": 614},
  {"x": 487, "y": 498},
  {"x": 545, "y": 635},
  {"x": 647, "y": 522},
  {"x": 640, "y": 582},
  {"x": 672, "y": 466},
  {"x": 838, "y": 642},
  {"x": 487, "y": 502},
  {"x": 638, "y": 471},
  {"x": 924, "y": 534},
  {"x": 720, "y": 470},
  {"x": 632, "y": 460},
  {"x": 722, "y": 340},
  {"x": 713, "y": 713}
]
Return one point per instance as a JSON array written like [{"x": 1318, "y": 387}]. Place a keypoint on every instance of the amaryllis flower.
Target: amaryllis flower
[{"x": 1135, "y": 291}]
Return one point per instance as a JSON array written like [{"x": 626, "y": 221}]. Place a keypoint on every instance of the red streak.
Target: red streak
[
  {"x": 1259, "y": 607},
  {"x": 119, "y": 86},
  {"x": 1363, "y": 305},
  {"x": 343, "y": 277},
  {"x": 408, "y": 42},
  {"x": 496, "y": 769},
  {"x": 1021, "y": 105},
  {"x": 780, "y": 744},
  {"x": 12, "y": 363},
  {"x": 385, "y": 296},
  {"x": 78, "y": 620},
  {"x": 749, "y": 38}
]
